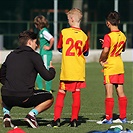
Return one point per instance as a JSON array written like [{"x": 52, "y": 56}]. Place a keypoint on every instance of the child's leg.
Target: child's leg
[
  {"x": 122, "y": 101},
  {"x": 75, "y": 105},
  {"x": 47, "y": 59},
  {"x": 59, "y": 104},
  {"x": 109, "y": 100},
  {"x": 48, "y": 85},
  {"x": 109, "y": 105}
]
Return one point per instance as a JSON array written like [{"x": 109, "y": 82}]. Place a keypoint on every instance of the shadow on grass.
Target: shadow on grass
[
  {"x": 21, "y": 122},
  {"x": 64, "y": 121}
]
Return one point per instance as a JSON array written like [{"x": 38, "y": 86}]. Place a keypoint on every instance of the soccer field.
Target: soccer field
[{"x": 92, "y": 105}]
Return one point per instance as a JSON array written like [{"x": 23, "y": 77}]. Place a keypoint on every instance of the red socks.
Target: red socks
[
  {"x": 59, "y": 105},
  {"x": 75, "y": 105},
  {"x": 122, "y": 101},
  {"x": 109, "y": 105}
]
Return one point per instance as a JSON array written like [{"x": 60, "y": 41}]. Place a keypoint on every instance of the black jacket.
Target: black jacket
[{"x": 18, "y": 72}]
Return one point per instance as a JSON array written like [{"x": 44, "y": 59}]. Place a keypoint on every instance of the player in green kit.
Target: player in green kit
[{"x": 46, "y": 41}]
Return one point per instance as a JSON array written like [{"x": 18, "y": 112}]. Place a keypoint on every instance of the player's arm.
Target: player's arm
[
  {"x": 51, "y": 42},
  {"x": 104, "y": 55},
  {"x": 124, "y": 46},
  {"x": 86, "y": 48},
  {"x": 105, "y": 51},
  {"x": 41, "y": 69},
  {"x": 60, "y": 42},
  {"x": 50, "y": 38}
]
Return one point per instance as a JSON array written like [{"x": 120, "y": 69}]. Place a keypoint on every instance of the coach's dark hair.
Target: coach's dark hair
[
  {"x": 113, "y": 17},
  {"x": 25, "y": 36}
]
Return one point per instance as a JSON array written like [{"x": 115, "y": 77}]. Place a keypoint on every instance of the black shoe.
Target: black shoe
[
  {"x": 7, "y": 121},
  {"x": 54, "y": 124},
  {"x": 31, "y": 120},
  {"x": 73, "y": 123}
]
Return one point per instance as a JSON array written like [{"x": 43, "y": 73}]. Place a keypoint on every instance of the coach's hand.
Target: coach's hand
[{"x": 51, "y": 64}]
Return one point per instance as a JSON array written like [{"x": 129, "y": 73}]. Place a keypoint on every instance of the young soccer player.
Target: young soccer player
[
  {"x": 113, "y": 45},
  {"x": 46, "y": 42},
  {"x": 73, "y": 43}
]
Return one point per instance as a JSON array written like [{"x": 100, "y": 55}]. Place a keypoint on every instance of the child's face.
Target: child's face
[
  {"x": 33, "y": 44},
  {"x": 108, "y": 24}
]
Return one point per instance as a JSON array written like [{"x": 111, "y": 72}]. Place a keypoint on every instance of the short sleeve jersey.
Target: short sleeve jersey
[
  {"x": 115, "y": 41},
  {"x": 73, "y": 42},
  {"x": 44, "y": 38}
]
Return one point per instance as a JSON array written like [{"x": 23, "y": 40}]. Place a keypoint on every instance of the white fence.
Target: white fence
[{"x": 127, "y": 56}]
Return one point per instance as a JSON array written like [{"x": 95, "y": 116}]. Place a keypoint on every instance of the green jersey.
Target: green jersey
[{"x": 44, "y": 38}]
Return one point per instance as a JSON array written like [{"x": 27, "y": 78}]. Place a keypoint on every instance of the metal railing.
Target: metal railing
[{"x": 9, "y": 31}]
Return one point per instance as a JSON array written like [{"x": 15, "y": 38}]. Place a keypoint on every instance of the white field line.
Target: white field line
[
  {"x": 63, "y": 113},
  {"x": 50, "y": 119},
  {"x": 81, "y": 114},
  {"x": 130, "y": 122}
]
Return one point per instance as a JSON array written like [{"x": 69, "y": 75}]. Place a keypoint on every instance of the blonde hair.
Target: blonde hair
[
  {"x": 40, "y": 21},
  {"x": 75, "y": 13}
]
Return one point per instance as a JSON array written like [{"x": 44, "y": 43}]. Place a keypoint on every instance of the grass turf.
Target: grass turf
[{"x": 92, "y": 105}]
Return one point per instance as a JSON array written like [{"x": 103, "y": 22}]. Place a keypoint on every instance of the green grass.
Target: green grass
[{"x": 92, "y": 105}]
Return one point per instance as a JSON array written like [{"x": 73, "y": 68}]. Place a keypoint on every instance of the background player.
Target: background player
[
  {"x": 73, "y": 43},
  {"x": 46, "y": 41},
  {"x": 110, "y": 58}
]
